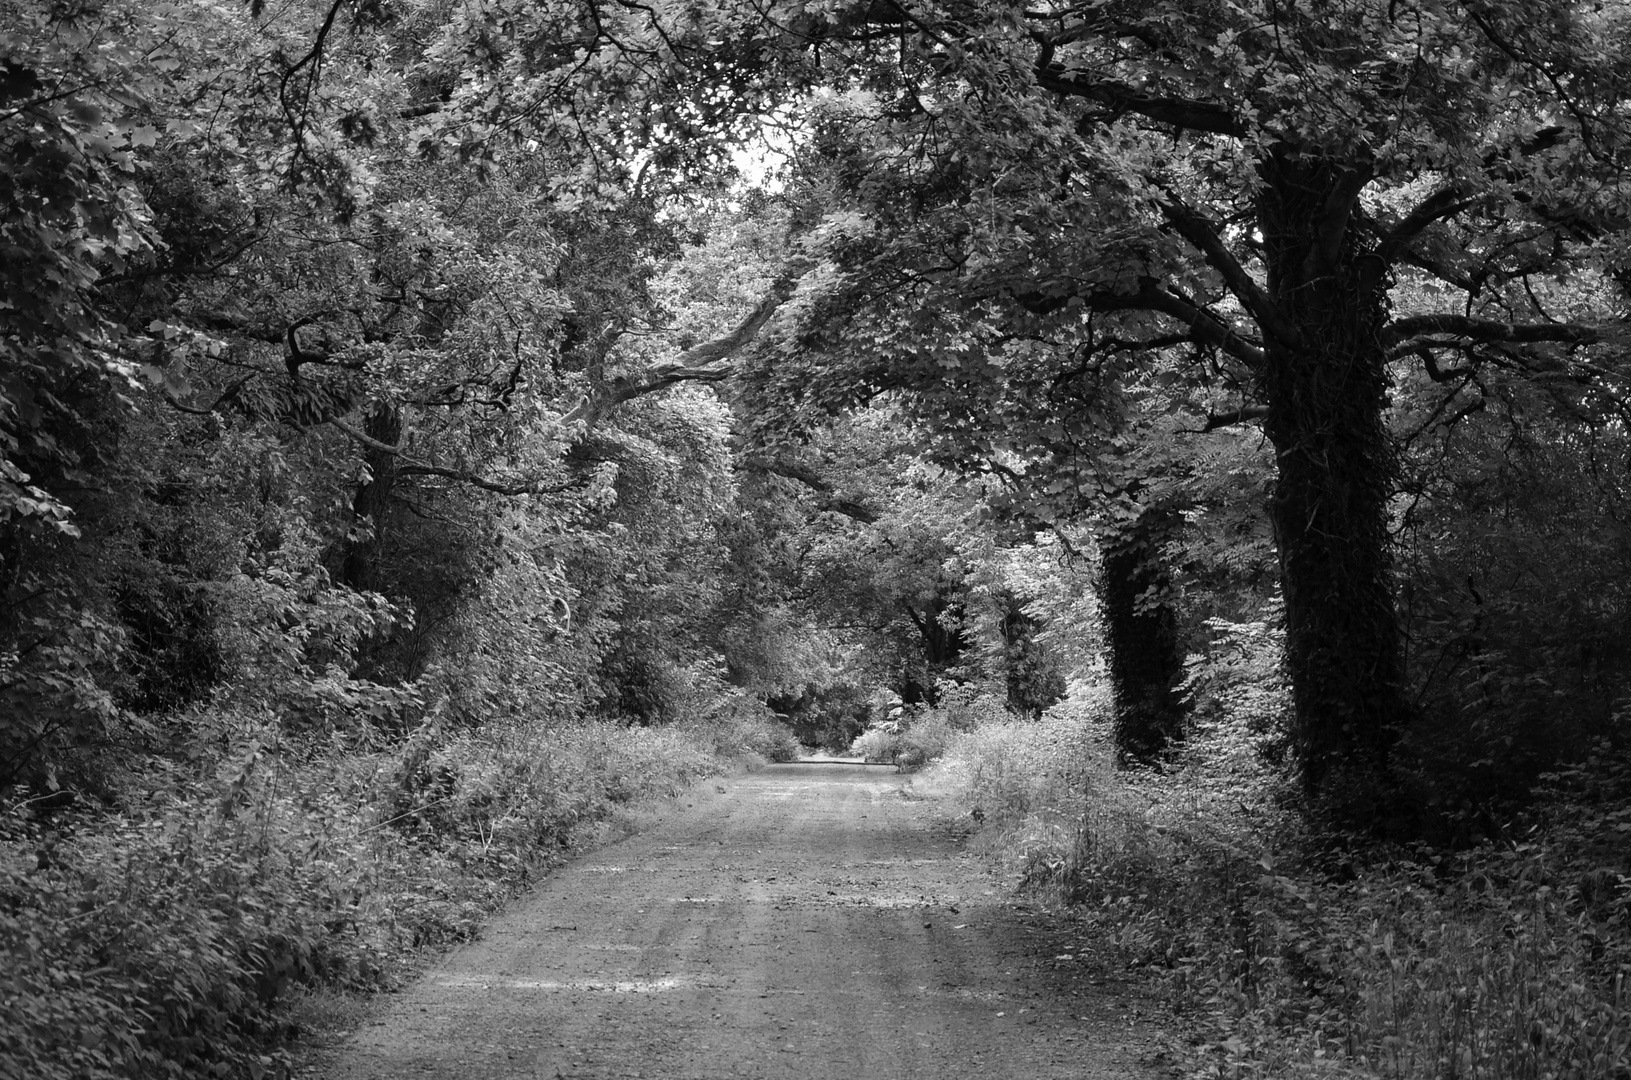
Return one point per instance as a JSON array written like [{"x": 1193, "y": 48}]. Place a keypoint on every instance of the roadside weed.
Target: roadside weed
[
  {"x": 1284, "y": 956},
  {"x": 172, "y": 936}
]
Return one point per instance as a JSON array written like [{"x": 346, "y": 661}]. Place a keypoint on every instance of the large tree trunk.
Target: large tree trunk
[
  {"x": 1141, "y": 638},
  {"x": 1326, "y": 390}
]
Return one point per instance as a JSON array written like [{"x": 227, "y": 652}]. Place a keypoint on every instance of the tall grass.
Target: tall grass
[
  {"x": 1509, "y": 962},
  {"x": 169, "y": 936}
]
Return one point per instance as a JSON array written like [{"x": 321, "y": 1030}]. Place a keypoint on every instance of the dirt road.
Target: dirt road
[{"x": 811, "y": 922}]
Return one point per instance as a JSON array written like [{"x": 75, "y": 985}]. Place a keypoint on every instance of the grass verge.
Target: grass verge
[
  {"x": 187, "y": 930},
  {"x": 1508, "y": 960}
]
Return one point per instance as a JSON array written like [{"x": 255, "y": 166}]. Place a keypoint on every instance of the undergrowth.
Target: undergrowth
[
  {"x": 169, "y": 935},
  {"x": 1509, "y": 961},
  {"x": 913, "y": 736}
]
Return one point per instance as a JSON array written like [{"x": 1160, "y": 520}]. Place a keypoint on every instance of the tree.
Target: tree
[
  {"x": 72, "y": 98},
  {"x": 1142, "y": 654},
  {"x": 418, "y": 381},
  {"x": 1247, "y": 182},
  {"x": 1513, "y": 544}
]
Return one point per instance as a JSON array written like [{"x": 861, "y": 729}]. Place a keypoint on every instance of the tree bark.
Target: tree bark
[
  {"x": 1141, "y": 639},
  {"x": 943, "y": 646},
  {"x": 384, "y": 428},
  {"x": 1326, "y": 389},
  {"x": 1034, "y": 680}
]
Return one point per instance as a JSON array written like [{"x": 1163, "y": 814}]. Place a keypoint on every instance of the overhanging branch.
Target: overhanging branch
[
  {"x": 1402, "y": 332},
  {"x": 1443, "y": 203},
  {"x": 1216, "y": 421},
  {"x": 1205, "y": 236},
  {"x": 408, "y": 467},
  {"x": 707, "y": 362},
  {"x": 813, "y": 480},
  {"x": 1177, "y": 112},
  {"x": 1202, "y": 327},
  {"x": 1447, "y": 274}
]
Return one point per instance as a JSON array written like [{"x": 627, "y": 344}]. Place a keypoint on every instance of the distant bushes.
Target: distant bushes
[
  {"x": 1510, "y": 960},
  {"x": 828, "y": 716},
  {"x": 774, "y": 744},
  {"x": 734, "y": 725},
  {"x": 913, "y": 736},
  {"x": 908, "y": 744},
  {"x": 167, "y": 938}
]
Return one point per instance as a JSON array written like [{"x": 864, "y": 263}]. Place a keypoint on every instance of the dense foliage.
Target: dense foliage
[
  {"x": 1502, "y": 958},
  {"x": 418, "y": 442}
]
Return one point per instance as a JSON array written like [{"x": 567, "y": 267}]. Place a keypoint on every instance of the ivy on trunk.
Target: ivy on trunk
[
  {"x": 1141, "y": 637},
  {"x": 1227, "y": 204},
  {"x": 1326, "y": 388}
]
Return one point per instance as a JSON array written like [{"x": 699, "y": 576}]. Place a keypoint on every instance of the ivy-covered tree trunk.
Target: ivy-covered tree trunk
[
  {"x": 373, "y": 499},
  {"x": 1034, "y": 680},
  {"x": 1325, "y": 380},
  {"x": 1141, "y": 639},
  {"x": 939, "y": 626}
]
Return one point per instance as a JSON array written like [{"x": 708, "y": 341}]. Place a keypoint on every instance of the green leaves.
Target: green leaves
[{"x": 73, "y": 95}]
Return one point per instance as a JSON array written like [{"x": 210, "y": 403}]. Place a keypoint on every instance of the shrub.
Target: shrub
[
  {"x": 827, "y": 716},
  {"x": 157, "y": 943},
  {"x": 731, "y": 722},
  {"x": 908, "y": 743},
  {"x": 914, "y": 736},
  {"x": 1028, "y": 781},
  {"x": 773, "y": 742},
  {"x": 167, "y": 937},
  {"x": 1509, "y": 960}
]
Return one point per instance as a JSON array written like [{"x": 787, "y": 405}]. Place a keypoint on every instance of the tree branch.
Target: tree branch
[
  {"x": 1430, "y": 361},
  {"x": 917, "y": 620},
  {"x": 665, "y": 375},
  {"x": 1339, "y": 208},
  {"x": 1204, "y": 327},
  {"x": 815, "y": 482},
  {"x": 700, "y": 363},
  {"x": 1447, "y": 274},
  {"x": 1401, "y": 332},
  {"x": 530, "y": 487},
  {"x": 1204, "y": 235},
  {"x": 1178, "y": 112},
  {"x": 409, "y": 467},
  {"x": 1445, "y": 202},
  {"x": 1243, "y": 415}
]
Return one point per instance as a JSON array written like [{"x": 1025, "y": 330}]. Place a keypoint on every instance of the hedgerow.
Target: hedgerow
[
  {"x": 911, "y": 737},
  {"x": 170, "y": 936},
  {"x": 1286, "y": 954}
]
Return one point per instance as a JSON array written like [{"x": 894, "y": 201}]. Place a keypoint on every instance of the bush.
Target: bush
[
  {"x": 731, "y": 722},
  {"x": 773, "y": 742},
  {"x": 1509, "y": 960},
  {"x": 829, "y": 717},
  {"x": 1028, "y": 781},
  {"x": 908, "y": 742},
  {"x": 914, "y": 736},
  {"x": 158, "y": 943},
  {"x": 168, "y": 937}
]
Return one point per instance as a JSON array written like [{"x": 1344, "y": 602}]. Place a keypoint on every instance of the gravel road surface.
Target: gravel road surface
[{"x": 811, "y": 921}]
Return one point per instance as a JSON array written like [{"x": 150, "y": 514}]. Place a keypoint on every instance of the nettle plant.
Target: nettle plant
[{"x": 1238, "y": 695}]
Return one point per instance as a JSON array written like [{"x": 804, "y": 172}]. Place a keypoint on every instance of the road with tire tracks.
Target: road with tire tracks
[{"x": 808, "y": 921}]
